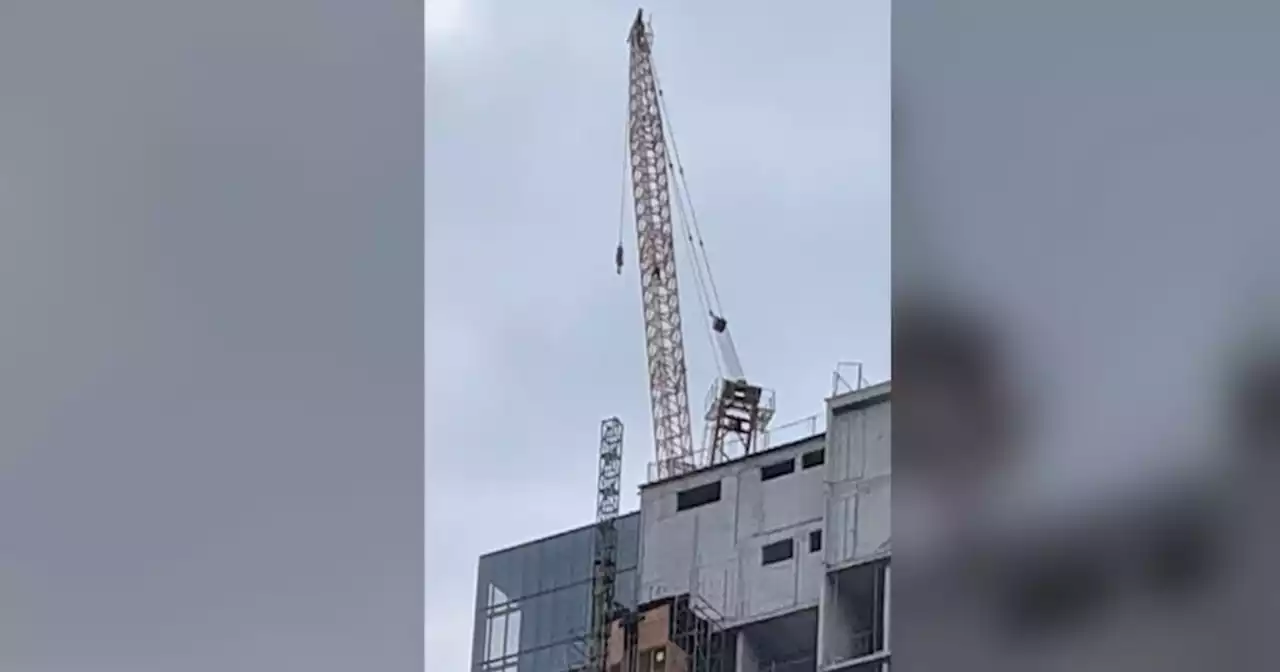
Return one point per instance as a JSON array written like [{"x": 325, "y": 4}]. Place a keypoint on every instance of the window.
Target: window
[
  {"x": 496, "y": 596},
  {"x": 513, "y": 633},
  {"x": 815, "y": 541},
  {"x": 496, "y": 637},
  {"x": 778, "y": 551},
  {"x": 813, "y": 458},
  {"x": 777, "y": 469},
  {"x": 699, "y": 496}
]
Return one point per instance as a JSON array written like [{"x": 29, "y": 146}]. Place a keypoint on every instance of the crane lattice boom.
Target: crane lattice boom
[{"x": 651, "y": 191}]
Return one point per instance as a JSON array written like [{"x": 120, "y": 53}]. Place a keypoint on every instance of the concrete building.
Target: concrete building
[{"x": 777, "y": 561}]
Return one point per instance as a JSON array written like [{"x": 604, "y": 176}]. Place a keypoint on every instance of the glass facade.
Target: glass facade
[{"x": 533, "y": 602}]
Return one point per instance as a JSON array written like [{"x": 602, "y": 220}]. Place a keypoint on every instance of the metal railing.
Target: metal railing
[
  {"x": 792, "y": 431},
  {"x": 770, "y": 438},
  {"x": 846, "y": 377},
  {"x": 703, "y": 609},
  {"x": 862, "y": 654},
  {"x": 660, "y": 470},
  {"x": 840, "y": 378},
  {"x": 802, "y": 664},
  {"x": 874, "y": 662}
]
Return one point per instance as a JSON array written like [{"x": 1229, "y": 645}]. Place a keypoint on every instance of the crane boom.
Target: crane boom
[{"x": 651, "y": 191}]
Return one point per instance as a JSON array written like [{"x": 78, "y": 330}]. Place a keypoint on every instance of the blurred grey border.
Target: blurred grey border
[
  {"x": 1090, "y": 187},
  {"x": 211, "y": 335}
]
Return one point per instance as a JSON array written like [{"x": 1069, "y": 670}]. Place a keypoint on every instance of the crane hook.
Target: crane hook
[{"x": 617, "y": 258}]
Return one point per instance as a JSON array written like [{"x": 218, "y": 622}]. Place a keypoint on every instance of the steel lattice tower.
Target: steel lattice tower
[
  {"x": 605, "y": 573},
  {"x": 651, "y": 191}
]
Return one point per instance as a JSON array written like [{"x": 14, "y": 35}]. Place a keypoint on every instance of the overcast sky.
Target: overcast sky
[{"x": 782, "y": 121}]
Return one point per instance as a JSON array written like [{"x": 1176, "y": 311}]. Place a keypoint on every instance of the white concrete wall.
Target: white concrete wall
[
  {"x": 857, "y": 502},
  {"x": 859, "y": 460},
  {"x": 715, "y": 550}
]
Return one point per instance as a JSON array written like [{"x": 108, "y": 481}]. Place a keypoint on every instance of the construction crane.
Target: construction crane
[
  {"x": 736, "y": 409},
  {"x": 605, "y": 564}
]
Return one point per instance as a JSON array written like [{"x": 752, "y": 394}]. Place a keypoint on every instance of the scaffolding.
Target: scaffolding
[
  {"x": 680, "y": 634},
  {"x": 605, "y": 566},
  {"x": 698, "y": 630}
]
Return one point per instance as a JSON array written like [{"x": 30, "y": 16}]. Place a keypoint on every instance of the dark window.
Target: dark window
[
  {"x": 813, "y": 458},
  {"x": 777, "y": 469},
  {"x": 703, "y": 494},
  {"x": 815, "y": 541},
  {"x": 778, "y": 551}
]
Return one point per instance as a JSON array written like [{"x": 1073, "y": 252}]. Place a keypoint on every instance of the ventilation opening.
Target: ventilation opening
[
  {"x": 777, "y": 469},
  {"x": 778, "y": 551},
  {"x": 815, "y": 541},
  {"x": 699, "y": 496},
  {"x": 813, "y": 458}
]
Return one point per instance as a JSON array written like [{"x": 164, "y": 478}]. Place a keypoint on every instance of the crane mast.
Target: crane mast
[
  {"x": 605, "y": 565},
  {"x": 651, "y": 192}
]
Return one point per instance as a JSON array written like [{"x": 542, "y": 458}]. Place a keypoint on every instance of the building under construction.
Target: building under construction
[
  {"x": 749, "y": 552},
  {"x": 776, "y": 561}
]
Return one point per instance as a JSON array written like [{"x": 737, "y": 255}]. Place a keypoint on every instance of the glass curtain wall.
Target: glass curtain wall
[{"x": 533, "y": 601}]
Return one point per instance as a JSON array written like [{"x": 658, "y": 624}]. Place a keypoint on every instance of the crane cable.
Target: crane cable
[
  {"x": 709, "y": 301},
  {"x": 708, "y": 315},
  {"x": 691, "y": 222},
  {"x": 712, "y": 309},
  {"x": 622, "y": 193}
]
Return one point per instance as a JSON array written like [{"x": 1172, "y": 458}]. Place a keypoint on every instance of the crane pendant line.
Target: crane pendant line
[{"x": 651, "y": 192}]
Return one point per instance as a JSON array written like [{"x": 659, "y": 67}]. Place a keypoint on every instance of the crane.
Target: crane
[
  {"x": 605, "y": 563},
  {"x": 736, "y": 409}
]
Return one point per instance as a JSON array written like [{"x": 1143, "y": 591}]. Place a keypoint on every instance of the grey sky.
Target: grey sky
[
  {"x": 210, "y": 402},
  {"x": 782, "y": 121}
]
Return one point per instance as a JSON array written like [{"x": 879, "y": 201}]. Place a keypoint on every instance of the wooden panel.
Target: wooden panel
[
  {"x": 654, "y": 627},
  {"x": 677, "y": 660},
  {"x": 616, "y": 643}
]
